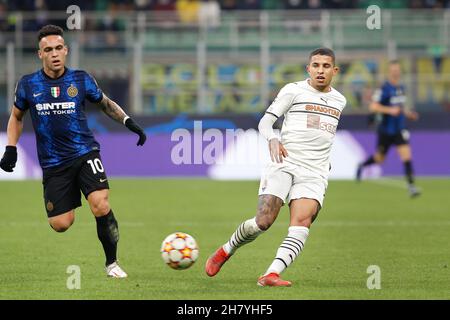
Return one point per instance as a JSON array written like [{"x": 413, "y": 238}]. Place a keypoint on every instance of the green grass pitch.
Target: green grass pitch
[{"x": 371, "y": 223}]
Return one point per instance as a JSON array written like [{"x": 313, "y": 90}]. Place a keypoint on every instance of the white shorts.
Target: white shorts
[{"x": 288, "y": 182}]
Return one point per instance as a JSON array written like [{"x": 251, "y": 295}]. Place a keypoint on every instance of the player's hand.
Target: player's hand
[
  {"x": 133, "y": 126},
  {"x": 9, "y": 159},
  {"x": 395, "y": 111},
  {"x": 412, "y": 115},
  {"x": 277, "y": 151}
]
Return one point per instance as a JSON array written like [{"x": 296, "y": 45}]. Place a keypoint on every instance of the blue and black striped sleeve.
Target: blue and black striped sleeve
[
  {"x": 20, "y": 98},
  {"x": 93, "y": 92}
]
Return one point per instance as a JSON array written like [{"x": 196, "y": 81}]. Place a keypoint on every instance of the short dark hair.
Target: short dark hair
[
  {"x": 323, "y": 52},
  {"x": 395, "y": 61},
  {"x": 50, "y": 30}
]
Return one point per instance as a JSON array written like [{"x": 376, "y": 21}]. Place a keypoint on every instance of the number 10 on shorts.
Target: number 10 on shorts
[{"x": 96, "y": 165}]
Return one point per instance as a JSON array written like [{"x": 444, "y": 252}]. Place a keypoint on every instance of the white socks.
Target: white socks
[
  {"x": 289, "y": 250},
  {"x": 245, "y": 233}
]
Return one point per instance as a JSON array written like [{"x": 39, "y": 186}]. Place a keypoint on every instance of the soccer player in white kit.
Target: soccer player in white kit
[{"x": 298, "y": 173}]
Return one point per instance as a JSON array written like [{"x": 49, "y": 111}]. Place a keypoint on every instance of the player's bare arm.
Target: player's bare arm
[
  {"x": 115, "y": 112},
  {"x": 412, "y": 115},
  {"x": 15, "y": 125},
  {"x": 112, "y": 109},
  {"x": 379, "y": 108}
]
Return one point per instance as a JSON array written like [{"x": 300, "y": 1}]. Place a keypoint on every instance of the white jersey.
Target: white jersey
[{"x": 310, "y": 123}]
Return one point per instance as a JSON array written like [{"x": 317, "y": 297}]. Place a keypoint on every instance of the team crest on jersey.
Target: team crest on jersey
[
  {"x": 72, "y": 91},
  {"x": 55, "y": 91},
  {"x": 50, "y": 206}
]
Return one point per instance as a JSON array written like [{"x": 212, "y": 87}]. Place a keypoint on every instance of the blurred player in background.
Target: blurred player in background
[
  {"x": 298, "y": 173},
  {"x": 68, "y": 153},
  {"x": 390, "y": 102}
]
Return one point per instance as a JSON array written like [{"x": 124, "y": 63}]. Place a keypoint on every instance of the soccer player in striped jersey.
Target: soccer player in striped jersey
[
  {"x": 298, "y": 173},
  {"x": 390, "y": 102},
  {"x": 67, "y": 150}
]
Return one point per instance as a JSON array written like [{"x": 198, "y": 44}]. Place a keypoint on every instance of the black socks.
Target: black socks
[
  {"x": 368, "y": 162},
  {"x": 409, "y": 172},
  {"x": 108, "y": 233}
]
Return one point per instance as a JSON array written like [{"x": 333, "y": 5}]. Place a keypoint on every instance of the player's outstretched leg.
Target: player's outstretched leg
[
  {"x": 268, "y": 208},
  {"x": 404, "y": 152},
  {"x": 245, "y": 233},
  {"x": 288, "y": 251},
  {"x": 107, "y": 230},
  {"x": 368, "y": 162},
  {"x": 303, "y": 213},
  {"x": 108, "y": 234},
  {"x": 413, "y": 190},
  {"x": 359, "y": 172}
]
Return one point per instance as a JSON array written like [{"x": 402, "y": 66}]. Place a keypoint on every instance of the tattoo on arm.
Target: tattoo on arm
[{"x": 112, "y": 109}]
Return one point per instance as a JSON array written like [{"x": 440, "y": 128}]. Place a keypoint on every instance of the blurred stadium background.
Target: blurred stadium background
[{"x": 171, "y": 62}]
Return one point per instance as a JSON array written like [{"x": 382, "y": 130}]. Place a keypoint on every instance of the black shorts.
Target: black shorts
[
  {"x": 385, "y": 141},
  {"x": 62, "y": 184}
]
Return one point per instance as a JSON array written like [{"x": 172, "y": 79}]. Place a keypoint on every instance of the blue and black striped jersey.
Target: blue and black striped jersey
[
  {"x": 390, "y": 95},
  {"x": 57, "y": 108}
]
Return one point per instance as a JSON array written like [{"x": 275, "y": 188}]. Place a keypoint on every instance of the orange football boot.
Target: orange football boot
[
  {"x": 273, "y": 280},
  {"x": 215, "y": 262}
]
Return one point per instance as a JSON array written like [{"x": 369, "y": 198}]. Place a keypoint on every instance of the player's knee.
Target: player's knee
[
  {"x": 406, "y": 157},
  {"x": 264, "y": 222},
  {"x": 61, "y": 225},
  {"x": 99, "y": 203},
  {"x": 379, "y": 158},
  {"x": 59, "y": 228},
  {"x": 100, "y": 207},
  {"x": 268, "y": 209}
]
